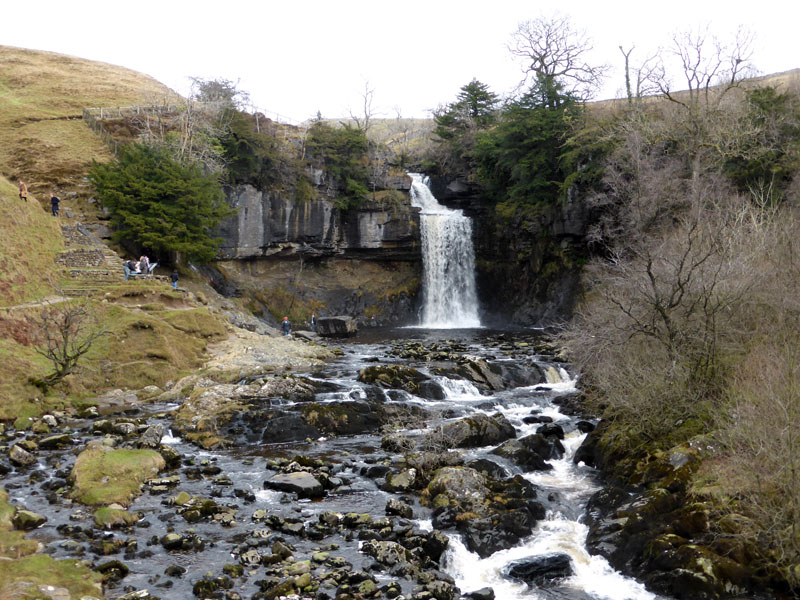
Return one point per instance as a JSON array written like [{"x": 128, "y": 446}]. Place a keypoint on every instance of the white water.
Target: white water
[
  {"x": 448, "y": 260},
  {"x": 557, "y": 533}
]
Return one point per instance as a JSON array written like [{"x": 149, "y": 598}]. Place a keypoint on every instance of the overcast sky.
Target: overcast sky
[{"x": 297, "y": 57}]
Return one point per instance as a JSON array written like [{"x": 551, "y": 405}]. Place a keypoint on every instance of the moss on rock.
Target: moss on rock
[{"x": 102, "y": 476}]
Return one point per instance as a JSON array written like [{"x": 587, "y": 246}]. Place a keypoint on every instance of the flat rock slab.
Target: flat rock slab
[{"x": 305, "y": 485}]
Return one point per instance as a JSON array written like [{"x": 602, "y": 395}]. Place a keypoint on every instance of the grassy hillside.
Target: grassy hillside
[{"x": 42, "y": 137}]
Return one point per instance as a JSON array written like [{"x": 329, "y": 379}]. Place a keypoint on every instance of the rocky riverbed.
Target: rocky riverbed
[{"x": 420, "y": 468}]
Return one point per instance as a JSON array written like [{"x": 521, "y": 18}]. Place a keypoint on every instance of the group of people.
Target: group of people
[
  {"x": 140, "y": 267},
  {"x": 54, "y": 200}
]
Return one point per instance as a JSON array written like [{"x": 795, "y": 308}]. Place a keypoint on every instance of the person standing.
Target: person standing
[
  {"x": 313, "y": 322},
  {"x": 286, "y": 326},
  {"x": 23, "y": 191},
  {"x": 174, "y": 279},
  {"x": 54, "y": 200}
]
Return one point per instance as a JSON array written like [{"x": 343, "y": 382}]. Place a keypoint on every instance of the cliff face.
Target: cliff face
[
  {"x": 528, "y": 263},
  {"x": 268, "y": 224},
  {"x": 297, "y": 258}
]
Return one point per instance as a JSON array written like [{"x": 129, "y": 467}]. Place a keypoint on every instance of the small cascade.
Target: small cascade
[{"x": 450, "y": 300}]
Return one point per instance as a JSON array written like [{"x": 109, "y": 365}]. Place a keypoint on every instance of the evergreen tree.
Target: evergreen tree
[
  {"x": 474, "y": 109},
  {"x": 343, "y": 152},
  {"x": 520, "y": 159},
  {"x": 160, "y": 204}
]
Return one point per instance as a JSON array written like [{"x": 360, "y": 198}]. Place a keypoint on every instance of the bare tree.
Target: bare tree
[
  {"x": 708, "y": 67},
  {"x": 363, "y": 117},
  {"x": 65, "y": 332},
  {"x": 642, "y": 84},
  {"x": 552, "y": 49}
]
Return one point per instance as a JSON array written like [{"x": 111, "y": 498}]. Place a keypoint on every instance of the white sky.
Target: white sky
[{"x": 296, "y": 57}]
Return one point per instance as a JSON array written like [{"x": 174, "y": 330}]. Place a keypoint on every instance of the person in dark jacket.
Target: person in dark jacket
[
  {"x": 313, "y": 322},
  {"x": 286, "y": 326},
  {"x": 54, "y": 200},
  {"x": 174, "y": 279}
]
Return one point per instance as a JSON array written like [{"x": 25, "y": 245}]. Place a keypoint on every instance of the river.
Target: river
[{"x": 234, "y": 478}]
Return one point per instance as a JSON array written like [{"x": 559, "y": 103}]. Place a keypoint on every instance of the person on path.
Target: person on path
[
  {"x": 313, "y": 322},
  {"x": 54, "y": 200},
  {"x": 286, "y": 326},
  {"x": 174, "y": 279},
  {"x": 126, "y": 268},
  {"x": 144, "y": 264},
  {"x": 23, "y": 191}
]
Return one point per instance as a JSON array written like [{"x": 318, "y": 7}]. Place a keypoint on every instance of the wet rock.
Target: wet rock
[
  {"x": 151, "y": 438},
  {"x": 486, "y": 593},
  {"x": 401, "y": 482},
  {"x": 288, "y": 428},
  {"x": 476, "y": 430},
  {"x": 305, "y": 485},
  {"x": 175, "y": 571},
  {"x": 400, "y": 377},
  {"x": 20, "y": 457},
  {"x": 458, "y": 483},
  {"x": 585, "y": 426},
  {"x": 112, "y": 570},
  {"x": 395, "y": 507},
  {"x": 55, "y": 441},
  {"x": 529, "y": 452},
  {"x": 170, "y": 455},
  {"x": 488, "y": 467},
  {"x": 541, "y": 570},
  {"x": 551, "y": 429},
  {"x": 26, "y": 520},
  {"x": 344, "y": 418}
]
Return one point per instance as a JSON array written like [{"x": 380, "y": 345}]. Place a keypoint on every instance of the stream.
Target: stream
[{"x": 234, "y": 478}]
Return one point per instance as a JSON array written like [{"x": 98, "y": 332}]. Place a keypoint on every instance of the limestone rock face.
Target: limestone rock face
[{"x": 269, "y": 224}]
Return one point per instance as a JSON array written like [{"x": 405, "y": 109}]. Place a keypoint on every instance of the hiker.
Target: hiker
[
  {"x": 144, "y": 264},
  {"x": 313, "y": 322},
  {"x": 286, "y": 326},
  {"x": 174, "y": 279},
  {"x": 126, "y": 269},
  {"x": 23, "y": 191},
  {"x": 54, "y": 200}
]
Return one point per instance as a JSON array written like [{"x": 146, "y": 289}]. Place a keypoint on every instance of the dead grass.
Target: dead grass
[
  {"x": 29, "y": 242},
  {"x": 39, "y": 91}
]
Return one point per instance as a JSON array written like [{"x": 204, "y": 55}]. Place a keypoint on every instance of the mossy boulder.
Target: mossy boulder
[
  {"x": 110, "y": 517},
  {"x": 399, "y": 377},
  {"x": 344, "y": 418},
  {"x": 103, "y": 476}
]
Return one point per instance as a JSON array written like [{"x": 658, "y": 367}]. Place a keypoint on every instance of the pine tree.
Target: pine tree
[{"x": 160, "y": 204}]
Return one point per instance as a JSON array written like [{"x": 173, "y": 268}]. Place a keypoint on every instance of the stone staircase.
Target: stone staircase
[{"x": 90, "y": 264}]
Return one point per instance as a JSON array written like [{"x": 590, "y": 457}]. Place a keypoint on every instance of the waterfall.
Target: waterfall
[{"x": 448, "y": 260}]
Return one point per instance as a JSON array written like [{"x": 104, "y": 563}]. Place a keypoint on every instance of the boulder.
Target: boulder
[
  {"x": 541, "y": 570},
  {"x": 55, "y": 441},
  {"x": 151, "y": 438},
  {"x": 476, "y": 431},
  {"x": 20, "y": 457},
  {"x": 341, "y": 326},
  {"x": 26, "y": 519},
  {"x": 528, "y": 453},
  {"x": 288, "y": 428},
  {"x": 400, "y": 377},
  {"x": 395, "y": 507},
  {"x": 459, "y": 483},
  {"x": 305, "y": 485}
]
